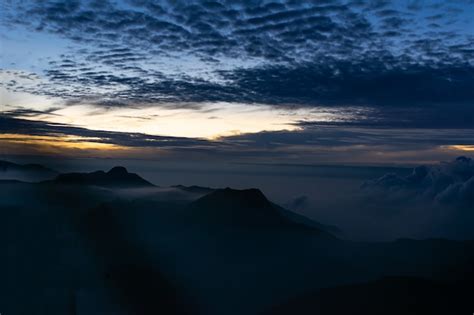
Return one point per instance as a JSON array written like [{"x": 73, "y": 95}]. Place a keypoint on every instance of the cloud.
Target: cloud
[
  {"x": 327, "y": 135},
  {"x": 377, "y": 82},
  {"x": 434, "y": 200},
  {"x": 284, "y": 52},
  {"x": 11, "y": 125},
  {"x": 313, "y": 143},
  {"x": 449, "y": 183}
]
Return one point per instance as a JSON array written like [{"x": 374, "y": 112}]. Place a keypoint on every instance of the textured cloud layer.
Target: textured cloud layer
[
  {"x": 322, "y": 144},
  {"x": 364, "y": 52},
  {"x": 446, "y": 183}
]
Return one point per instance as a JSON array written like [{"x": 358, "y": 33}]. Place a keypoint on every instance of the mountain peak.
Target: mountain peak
[
  {"x": 118, "y": 170},
  {"x": 248, "y": 208},
  {"x": 116, "y": 177}
]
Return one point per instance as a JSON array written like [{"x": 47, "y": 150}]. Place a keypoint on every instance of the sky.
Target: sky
[{"x": 301, "y": 82}]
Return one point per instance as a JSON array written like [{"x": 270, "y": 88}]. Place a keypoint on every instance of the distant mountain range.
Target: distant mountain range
[
  {"x": 71, "y": 245},
  {"x": 117, "y": 177},
  {"x": 25, "y": 172},
  {"x": 223, "y": 207}
]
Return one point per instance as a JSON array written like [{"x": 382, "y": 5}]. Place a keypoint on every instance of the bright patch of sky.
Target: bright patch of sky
[
  {"x": 212, "y": 121},
  {"x": 83, "y": 68}
]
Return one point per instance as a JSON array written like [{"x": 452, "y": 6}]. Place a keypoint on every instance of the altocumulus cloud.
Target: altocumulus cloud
[{"x": 358, "y": 52}]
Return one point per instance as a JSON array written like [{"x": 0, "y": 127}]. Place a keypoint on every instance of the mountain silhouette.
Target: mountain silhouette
[
  {"x": 389, "y": 295},
  {"x": 139, "y": 286},
  {"x": 243, "y": 208},
  {"x": 228, "y": 252},
  {"x": 117, "y": 177},
  {"x": 25, "y": 172}
]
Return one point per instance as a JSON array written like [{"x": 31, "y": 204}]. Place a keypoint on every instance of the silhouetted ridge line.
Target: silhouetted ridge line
[
  {"x": 116, "y": 177},
  {"x": 248, "y": 208},
  {"x": 25, "y": 172},
  {"x": 6, "y": 166}
]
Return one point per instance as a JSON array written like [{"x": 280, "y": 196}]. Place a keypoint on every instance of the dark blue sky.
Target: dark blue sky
[{"x": 322, "y": 81}]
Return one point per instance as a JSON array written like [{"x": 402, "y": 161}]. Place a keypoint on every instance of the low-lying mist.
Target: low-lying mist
[{"x": 366, "y": 203}]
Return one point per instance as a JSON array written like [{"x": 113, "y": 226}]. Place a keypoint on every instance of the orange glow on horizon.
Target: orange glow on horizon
[
  {"x": 55, "y": 143},
  {"x": 461, "y": 147}
]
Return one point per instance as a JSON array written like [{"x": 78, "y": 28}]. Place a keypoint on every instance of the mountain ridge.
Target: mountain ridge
[
  {"x": 247, "y": 208},
  {"x": 117, "y": 177},
  {"x": 25, "y": 172}
]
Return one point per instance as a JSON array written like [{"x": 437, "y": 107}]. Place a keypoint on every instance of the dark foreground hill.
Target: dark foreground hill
[
  {"x": 117, "y": 177},
  {"x": 137, "y": 284},
  {"x": 97, "y": 251},
  {"x": 390, "y": 296}
]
